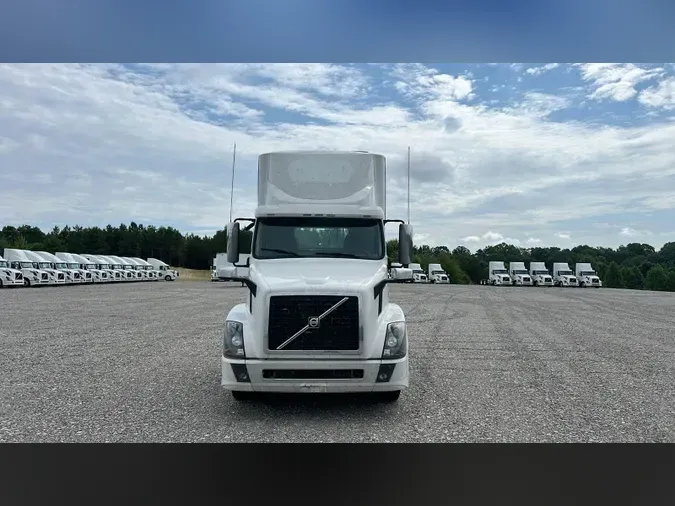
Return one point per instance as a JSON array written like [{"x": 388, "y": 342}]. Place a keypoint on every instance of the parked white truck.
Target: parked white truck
[
  {"x": 165, "y": 271},
  {"x": 497, "y": 274},
  {"x": 563, "y": 275},
  {"x": 318, "y": 317},
  {"x": 437, "y": 274},
  {"x": 118, "y": 267},
  {"x": 105, "y": 265},
  {"x": 519, "y": 275},
  {"x": 152, "y": 273},
  {"x": 419, "y": 276},
  {"x": 586, "y": 276},
  {"x": 540, "y": 274},
  {"x": 44, "y": 263},
  {"x": 89, "y": 266},
  {"x": 66, "y": 263},
  {"x": 32, "y": 276},
  {"x": 9, "y": 276},
  {"x": 139, "y": 270}
]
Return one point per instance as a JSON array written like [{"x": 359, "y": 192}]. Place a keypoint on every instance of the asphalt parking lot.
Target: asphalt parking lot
[{"x": 141, "y": 363}]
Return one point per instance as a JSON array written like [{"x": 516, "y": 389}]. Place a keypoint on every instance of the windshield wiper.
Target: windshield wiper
[
  {"x": 282, "y": 251},
  {"x": 337, "y": 254}
]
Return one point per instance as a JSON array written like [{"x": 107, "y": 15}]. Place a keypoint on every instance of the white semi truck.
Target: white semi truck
[
  {"x": 129, "y": 269},
  {"x": 497, "y": 274},
  {"x": 117, "y": 268},
  {"x": 152, "y": 273},
  {"x": 165, "y": 271},
  {"x": 540, "y": 274},
  {"x": 44, "y": 263},
  {"x": 563, "y": 275},
  {"x": 139, "y": 271},
  {"x": 419, "y": 276},
  {"x": 32, "y": 276},
  {"x": 89, "y": 266},
  {"x": 75, "y": 272},
  {"x": 8, "y": 276},
  {"x": 586, "y": 276},
  {"x": 519, "y": 275},
  {"x": 105, "y": 265},
  {"x": 437, "y": 274},
  {"x": 318, "y": 317}
]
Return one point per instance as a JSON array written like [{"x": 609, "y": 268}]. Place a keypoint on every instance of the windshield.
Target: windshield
[
  {"x": 437, "y": 272},
  {"x": 588, "y": 273},
  {"x": 27, "y": 265},
  {"x": 148, "y": 267},
  {"x": 564, "y": 273},
  {"x": 3, "y": 263},
  {"x": 418, "y": 271},
  {"x": 128, "y": 267},
  {"x": 319, "y": 238},
  {"x": 90, "y": 267},
  {"x": 73, "y": 266},
  {"x": 536, "y": 273},
  {"x": 60, "y": 266},
  {"x": 499, "y": 271},
  {"x": 520, "y": 271},
  {"x": 45, "y": 265}
]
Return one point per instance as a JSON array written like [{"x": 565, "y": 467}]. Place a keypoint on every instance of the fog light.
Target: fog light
[
  {"x": 241, "y": 373},
  {"x": 385, "y": 373}
]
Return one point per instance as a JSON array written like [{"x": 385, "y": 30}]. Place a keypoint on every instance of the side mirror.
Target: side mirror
[
  {"x": 233, "y": 243},
  {"x": 405, "y": 274},
  {"x": 405, "y": 244}
]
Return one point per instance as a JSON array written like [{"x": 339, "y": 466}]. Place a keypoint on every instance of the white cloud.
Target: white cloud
[
  {"x": 153, "y": 143},
  {"x": 662, "y": 95},
  {"x": 616, "y": 81},
  {"x": 536, "y": 71},
  {"x": 631, "y": 232}
]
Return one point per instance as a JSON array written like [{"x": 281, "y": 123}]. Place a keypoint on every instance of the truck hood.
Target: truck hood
[{"x": 316, "y": 274}]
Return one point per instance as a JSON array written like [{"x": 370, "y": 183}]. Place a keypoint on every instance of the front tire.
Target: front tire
[{"x": 167, "y": 278}]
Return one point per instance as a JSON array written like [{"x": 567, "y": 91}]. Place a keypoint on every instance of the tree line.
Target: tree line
[{"x": 635, "y": 265}]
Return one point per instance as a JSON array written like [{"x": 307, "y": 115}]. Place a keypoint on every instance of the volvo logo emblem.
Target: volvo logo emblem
[{"x": 313, "y": 322}]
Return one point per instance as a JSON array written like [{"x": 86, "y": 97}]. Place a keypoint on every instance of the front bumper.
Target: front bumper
[{"x": 368, "y": 383}]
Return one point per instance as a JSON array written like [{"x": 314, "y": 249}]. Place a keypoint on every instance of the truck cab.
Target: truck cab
[
  {"x": 586, "y": 276},
  {"x": 86, "y": 275},
  {"x": 419, "y": 276},
  {"x": 105, "y": 265},
  {"x": 9, "y": 276},
  {"x": 519, "y": 275},
  {"x": 165, "y": 271},
  {"x": 139, "y": 271},
  {"x": 69, "y": 273},
  {"x": 44, "y": 263},
  {"x": 151, "y": 273},
  {"x": 540, "y": 274},
  {"x": 32, "y": 275},
  {"x": 497, "y": 274},
  {"x": 563, "y": 275},
  {"x": 317, "y": 316},
  {"x": 89, "y": 267},
  {"x": 437, "y": 274}
]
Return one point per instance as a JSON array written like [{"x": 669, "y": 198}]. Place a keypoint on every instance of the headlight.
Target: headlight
[
  {"x": 395, "y": 341},
  {"x": 233, "y": 340}
]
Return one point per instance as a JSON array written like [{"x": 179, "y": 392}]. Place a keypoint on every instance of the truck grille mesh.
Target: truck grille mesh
[{"x": 338, "y": 331}]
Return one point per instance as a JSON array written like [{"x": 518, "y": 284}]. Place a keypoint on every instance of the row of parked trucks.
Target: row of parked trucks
[
  {"x": 538, "y": 275},
  {"x": 434, "y": 274},
  {"x": 39, "y": 268}
]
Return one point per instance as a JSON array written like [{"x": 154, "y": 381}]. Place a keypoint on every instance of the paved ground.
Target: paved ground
[{"x": 141, "y": 362}]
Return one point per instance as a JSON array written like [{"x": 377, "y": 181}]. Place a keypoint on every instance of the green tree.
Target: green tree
[
  {"x": 657, "y": 279},
  {"x": 632, "y": 277},
  {"x": 613, "y": 278}
]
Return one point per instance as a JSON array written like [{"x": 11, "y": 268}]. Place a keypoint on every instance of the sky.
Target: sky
[{"x": 533, "y": 154}]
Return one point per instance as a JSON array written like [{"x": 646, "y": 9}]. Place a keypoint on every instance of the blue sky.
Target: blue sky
[{"x": 530, "y": 153}]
